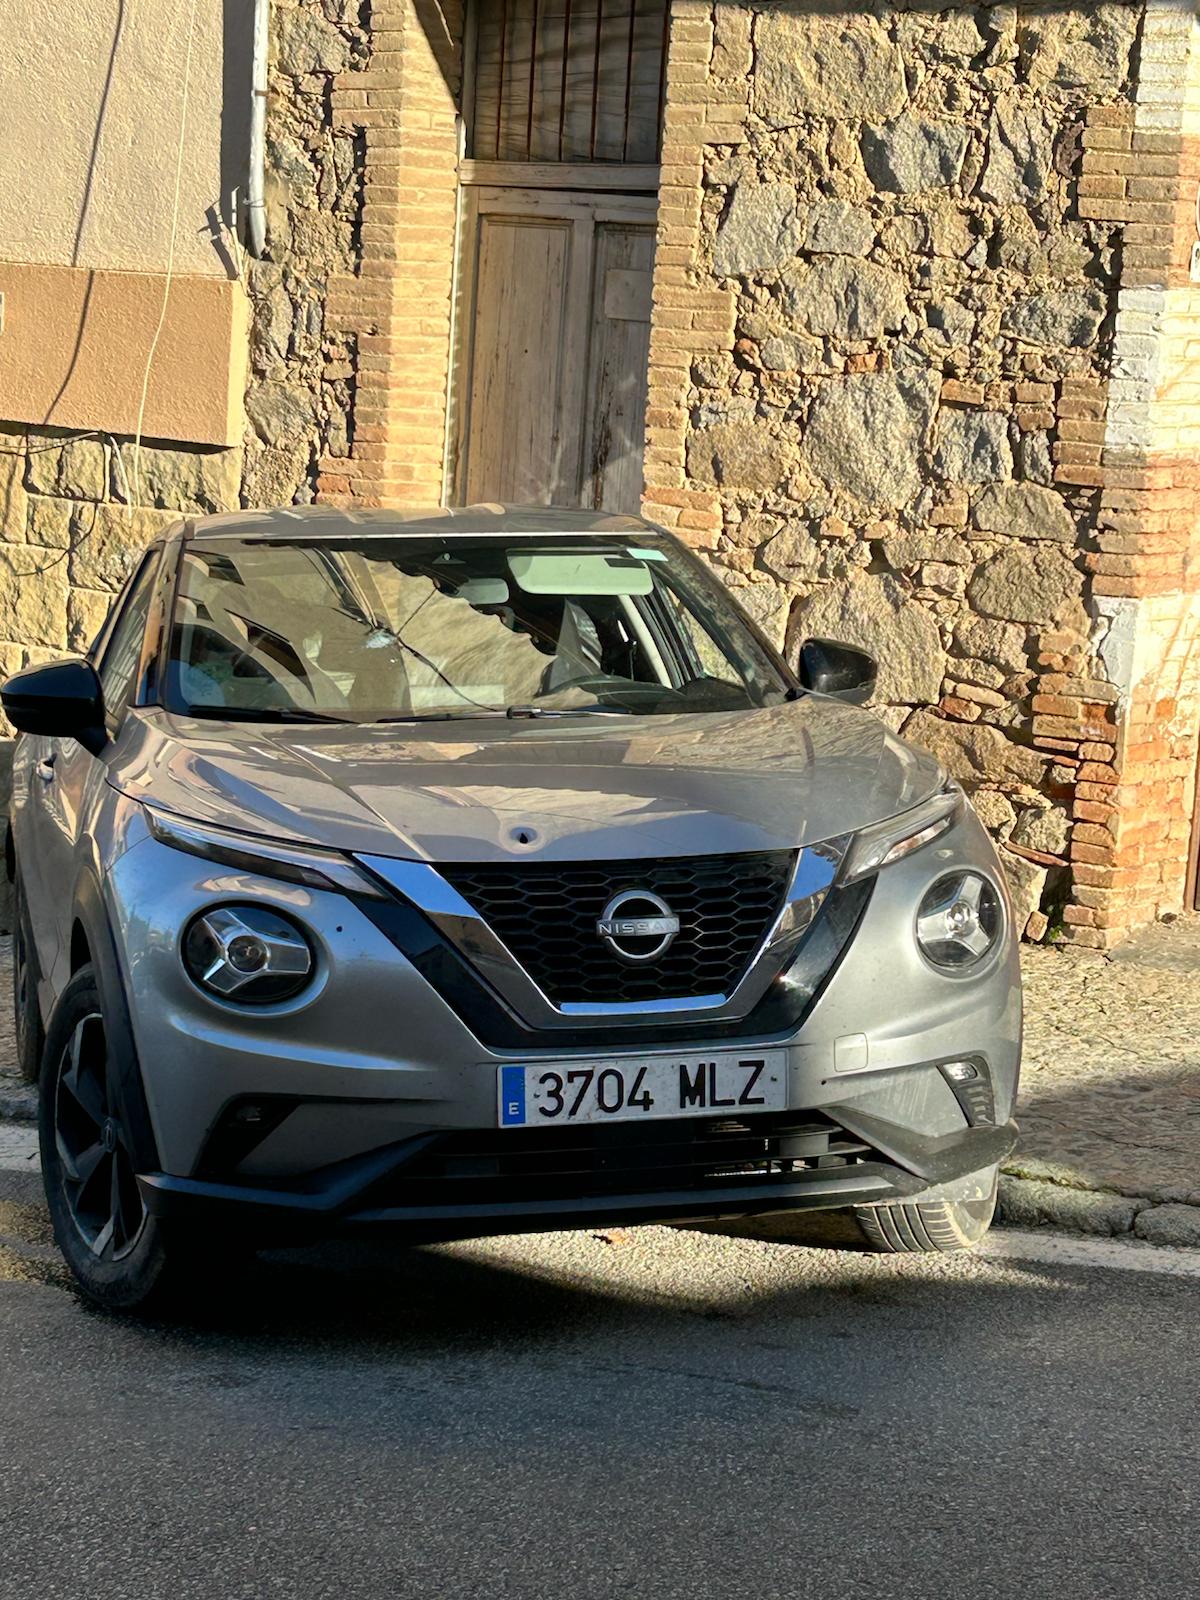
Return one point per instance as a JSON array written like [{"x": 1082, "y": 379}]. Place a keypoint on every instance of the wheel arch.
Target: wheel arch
[
  {"x": 81, "y": 946},
  {"x": 93, "y": 940}
]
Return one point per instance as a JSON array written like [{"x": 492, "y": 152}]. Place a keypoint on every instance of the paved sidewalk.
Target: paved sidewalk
[
  {"x": 1110, "y": 1097},
  {"x": 1110, "y": 1100}
]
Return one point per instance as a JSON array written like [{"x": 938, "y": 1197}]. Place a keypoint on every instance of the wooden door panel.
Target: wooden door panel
[
  {"x": 521, "y": 359},
  {"x": 620, "y": 356},
  {"x": 554, "y": 364}
]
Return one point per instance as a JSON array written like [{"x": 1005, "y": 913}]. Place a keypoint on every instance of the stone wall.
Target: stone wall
[
  {"x": 72, "y": 530},
  {"x": 304, "y": 365},
  {"x": 884, "y": 321}
]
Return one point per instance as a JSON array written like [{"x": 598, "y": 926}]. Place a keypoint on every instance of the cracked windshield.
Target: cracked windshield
[{"x": 380, "y": 630}]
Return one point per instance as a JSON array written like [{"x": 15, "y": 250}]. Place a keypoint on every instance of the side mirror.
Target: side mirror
[
  {"x": 827, "y": 667},
  {"x": 59, "y": 699}
]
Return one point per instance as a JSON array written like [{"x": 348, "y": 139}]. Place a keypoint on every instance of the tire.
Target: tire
[
  {"x": 28, "y": 1032},
  {"x": 935, "y": 1223},
  {"x": 122, "y": 1258}
]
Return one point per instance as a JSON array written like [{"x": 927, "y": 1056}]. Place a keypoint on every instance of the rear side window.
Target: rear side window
[{"x": 123, "y": 651}]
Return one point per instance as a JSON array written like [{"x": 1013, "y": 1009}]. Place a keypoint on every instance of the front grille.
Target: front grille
[
  {"x": 547, "y": 913},
  {"x": 677, "y": 1155}
]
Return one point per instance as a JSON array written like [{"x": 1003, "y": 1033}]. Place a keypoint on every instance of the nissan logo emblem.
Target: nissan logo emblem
[{"x": 637, "y": 925}]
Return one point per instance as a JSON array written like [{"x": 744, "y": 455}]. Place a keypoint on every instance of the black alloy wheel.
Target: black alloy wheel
[
  {"x": 98, "y": 1182},
  {"x": 122, "y": 1257}
]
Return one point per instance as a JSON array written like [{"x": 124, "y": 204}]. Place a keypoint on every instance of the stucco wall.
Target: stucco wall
[{"x": 92, "y": 99}]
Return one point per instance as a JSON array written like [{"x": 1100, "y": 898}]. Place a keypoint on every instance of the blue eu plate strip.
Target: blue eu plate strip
[{"x": 512, "y": 1096}]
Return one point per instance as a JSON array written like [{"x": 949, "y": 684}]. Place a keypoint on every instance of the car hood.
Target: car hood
[{"x": 551, "y": 789}]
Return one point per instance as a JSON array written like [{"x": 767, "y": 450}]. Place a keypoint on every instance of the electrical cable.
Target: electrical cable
[
  {"x": 162, "y": 315},
  {"x": 30, "y": 449}
]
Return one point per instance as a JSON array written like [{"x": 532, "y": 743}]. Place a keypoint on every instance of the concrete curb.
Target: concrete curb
[{"x": 1031, "y": 1197}]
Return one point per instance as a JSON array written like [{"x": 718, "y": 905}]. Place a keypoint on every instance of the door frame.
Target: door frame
[{"x": 547, "y": 195}]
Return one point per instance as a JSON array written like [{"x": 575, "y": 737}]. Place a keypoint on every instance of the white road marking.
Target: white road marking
[
  {"x": 18, "y": 1147},
  {"x": 1070, "y": 1250}
]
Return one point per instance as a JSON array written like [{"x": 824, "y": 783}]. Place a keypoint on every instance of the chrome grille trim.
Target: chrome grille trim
[{"x": 458, "y": 921}]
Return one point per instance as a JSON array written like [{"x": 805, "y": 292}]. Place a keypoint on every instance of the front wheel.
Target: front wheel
[
  {"x": 123, "y": 1258},
  {"x": 954, "y": 1217}
]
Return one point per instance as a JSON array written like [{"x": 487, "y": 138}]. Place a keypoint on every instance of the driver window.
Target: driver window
[{"x": 118, "y": 668}]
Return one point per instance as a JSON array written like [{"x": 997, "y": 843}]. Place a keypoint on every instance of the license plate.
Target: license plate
[{"x": 637, "y": 1091}]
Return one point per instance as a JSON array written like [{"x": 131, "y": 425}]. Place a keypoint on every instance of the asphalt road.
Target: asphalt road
[{"x": 651, "y": 1414}]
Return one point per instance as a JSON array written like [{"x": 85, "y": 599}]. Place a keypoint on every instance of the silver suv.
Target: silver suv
[{"x": 478, "y": 871}]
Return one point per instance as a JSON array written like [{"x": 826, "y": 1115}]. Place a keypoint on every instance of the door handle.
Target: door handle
[{"x": 45, "y": 769}]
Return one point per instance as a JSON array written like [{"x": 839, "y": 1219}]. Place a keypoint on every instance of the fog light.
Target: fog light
[
  {"x": 247, "y": 954},
  {"x": 971, "y": 1085},
  {"x": 959, "y": 921}
]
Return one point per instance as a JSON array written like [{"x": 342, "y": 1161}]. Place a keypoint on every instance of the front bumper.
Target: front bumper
[
  {"x": 440, "y": 1186},
  {"x": 384, "y": 1078}
]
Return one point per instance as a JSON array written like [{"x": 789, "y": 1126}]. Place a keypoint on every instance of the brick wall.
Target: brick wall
[
  {"x": 1134, "y": 803},
  {"x": 692, "y": 317},
  {"x": 397, "y": 306}
]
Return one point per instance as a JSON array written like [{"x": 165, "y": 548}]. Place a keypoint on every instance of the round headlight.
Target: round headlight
[
  {"x": 247, "y": 954},
  {"x": 959, "y": 920}
]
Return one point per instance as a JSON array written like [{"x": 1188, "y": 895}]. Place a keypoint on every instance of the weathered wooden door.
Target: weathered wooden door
[{"x": 555, "y": 287}]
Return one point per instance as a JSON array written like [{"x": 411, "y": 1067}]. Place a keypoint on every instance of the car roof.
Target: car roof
[{"x": 329, "y": 522}]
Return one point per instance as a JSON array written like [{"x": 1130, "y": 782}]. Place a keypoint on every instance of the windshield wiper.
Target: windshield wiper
[
  {"x": 271, "y": 714},
  {"x": 444, "y": 716},
  {"x": 568, "y": 711}
]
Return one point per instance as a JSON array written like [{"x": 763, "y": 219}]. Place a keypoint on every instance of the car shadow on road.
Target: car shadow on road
[
  {"x": 458, "y": 1298},
  {"x": 497, "y": 1296}
]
